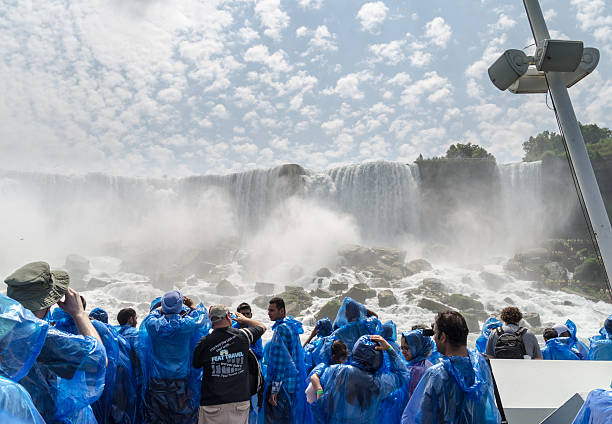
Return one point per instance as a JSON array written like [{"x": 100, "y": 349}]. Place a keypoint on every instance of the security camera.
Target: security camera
[{"x": 508, "y": 68}]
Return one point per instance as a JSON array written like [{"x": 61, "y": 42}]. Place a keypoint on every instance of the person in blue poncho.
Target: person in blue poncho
[
  {"x": 352, "y": 393},
  {"x": 167, "y": 339},
  {"x": 314, "y": 345},
  {"x": 257, "y": 346},
  {"x": 415, "y": 348},
  {"x": 569, "y": 330},
  {"x": 101, "y": 407},
  {"x": 601, "y": 345},
  {"x": 21, "y": 339},
  {"x": 558, "y": 348},
  {"x": 68, "y": 374},
  {"x": 389, "y": 333},
  {"x": 353, "y": 321},
  {"x": 128, "y": 394},
  {"x": 99, "y": 314},
  {"x": 597, "y": 409},
  {"x": 481, "y": 342},
  {"x": 459, "y": 389},
  {"x": 285, "y": 376}
]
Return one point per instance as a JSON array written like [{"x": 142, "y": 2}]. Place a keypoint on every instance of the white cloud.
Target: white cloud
[
  {"x": 373, "y": 149},
  {"x": 332, "y": 126},
  {"x": 348, "y": 86},
  {"x": 248, "y": 149},
  {"x": 401, "y": 78},
  {"x": 311, "y": 4},
  {"x": 438, "y": 31},
  {"x": 432, "y": 87},
  {"x": 301, "y": 32},
  {"x": 260, "y": 54},
  {"x": 390, "y": 53},
  {"x": 420, "y": 58},
  {"x": 371, "y": 15},
  {"x": 504, "y": 23},
  {"x": 272, "y": 17},
  {"x": 279, "y": 143},
  {"x": 219, "y": 111}
]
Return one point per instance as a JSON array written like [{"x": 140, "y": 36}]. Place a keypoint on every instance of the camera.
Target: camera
[{"x": 428, "y": 332}]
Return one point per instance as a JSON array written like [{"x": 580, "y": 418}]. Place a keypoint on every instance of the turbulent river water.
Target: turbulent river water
[{"x": 283, "y": 224}]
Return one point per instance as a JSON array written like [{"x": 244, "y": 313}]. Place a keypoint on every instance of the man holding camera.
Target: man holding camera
[
  {"x": 223, "y": 354},
  {"x": 166, "y": 343}
]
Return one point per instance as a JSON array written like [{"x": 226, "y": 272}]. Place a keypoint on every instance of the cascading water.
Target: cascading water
[
  {"x": 50, "y": 216},
  {"x": 382, "y": 196}
]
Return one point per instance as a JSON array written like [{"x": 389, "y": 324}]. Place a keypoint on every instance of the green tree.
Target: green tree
[
  {"x": 468, "y": 151},
  {"x": 598, "y": 142}
]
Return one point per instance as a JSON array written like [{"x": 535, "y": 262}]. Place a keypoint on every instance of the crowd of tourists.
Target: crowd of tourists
[{"x": 186, "y": 363}]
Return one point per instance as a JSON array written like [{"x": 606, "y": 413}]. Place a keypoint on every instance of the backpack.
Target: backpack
[
  {"x": 510, "y": 345},
  {"x": 256, "y": 379}
]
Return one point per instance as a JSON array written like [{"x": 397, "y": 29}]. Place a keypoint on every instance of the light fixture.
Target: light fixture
[{"x": 534, "y": 81}]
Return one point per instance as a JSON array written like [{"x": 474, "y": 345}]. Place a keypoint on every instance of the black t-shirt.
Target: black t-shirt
[{"x": 223, "y": 355}]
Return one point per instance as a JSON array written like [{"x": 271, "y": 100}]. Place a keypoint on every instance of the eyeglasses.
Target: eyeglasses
[{"x": 405, "y": 349}]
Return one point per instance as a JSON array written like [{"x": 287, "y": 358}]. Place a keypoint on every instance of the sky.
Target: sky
[{"x": 178, "y": 88}]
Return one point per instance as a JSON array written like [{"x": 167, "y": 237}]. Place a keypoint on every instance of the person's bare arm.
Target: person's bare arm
[
  {"x": 316, "y": 384},
  {"x": 371, "y": 313},
  {"x": 313, "y": 333},
  {"x": 73, "y": 306},
  {"x": 249, "y": 322}
]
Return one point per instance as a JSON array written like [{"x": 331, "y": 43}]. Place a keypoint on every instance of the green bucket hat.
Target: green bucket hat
[{"x": 36, "y": 287}]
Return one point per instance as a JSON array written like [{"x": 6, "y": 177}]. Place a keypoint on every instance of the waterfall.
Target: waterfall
[{"x": 382, "y": 196}]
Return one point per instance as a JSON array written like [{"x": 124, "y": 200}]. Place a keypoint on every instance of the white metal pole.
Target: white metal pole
[{"x": 575, "y": 144}]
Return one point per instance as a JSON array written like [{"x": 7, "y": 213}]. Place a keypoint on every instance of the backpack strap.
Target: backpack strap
[
  {"x": 520, "y": 333},
  {"x": 248, "y": 334}
]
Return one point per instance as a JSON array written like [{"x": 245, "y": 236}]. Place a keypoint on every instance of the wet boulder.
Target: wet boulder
[
  {"x": 338, "y": 286},
  {"x": 533, "y": 319},
  {"x": 431, "y": 305},
  {"x": 432, "y": 287},
  {"x": 417, "y": 265},
  {"x": 330, "y": 309},
  {"x": 264, "y": 288},
  {"x": 360, "y": 292},
  {"x": 226, "y": 288},
  {"x": 324, "y": 272},
  {"x": 462, "y": 302},
  {"x": 386, "y": 298},
  {"x": 554, "y": 271},
  {"x": 472, "y": 321},
  {"x": 296, "y": 300},
  {"x": 357, "y": 256},
  {"x": 321, "y": 293},
  {"x": 494, "y": 281},
  {"x": 262, "y": 301}
]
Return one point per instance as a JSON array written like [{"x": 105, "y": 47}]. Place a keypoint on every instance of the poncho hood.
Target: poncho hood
[
  {"x": 324, "y": 327},
  {"x": 365, "y": 356},
  {"x": 22, "y": 336},
  {"x": 469, "y": 372},
  {"x": 291, "y": 322},
  {"x": 420, "y": 345},
  {"x": 350, "y": 311}
]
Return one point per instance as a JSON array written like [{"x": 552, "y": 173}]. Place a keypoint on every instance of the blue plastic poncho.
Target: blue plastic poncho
[
  {"x": 132, "y": 378},
  {"x": 559, "y": 348},
  {"x": 324, "y": 327},
  {"x": 597, "y": 408},
  {"x": 351, "y": 323},
  {"x": 457, "y": 390},
  {"x": 601, "y": 349},
  {"x": 171, "y": 392},
  {"x": 67, "y": 377},
  {"x": 285, "y": 375},
  {"x": 313, "y": 351},
  {"x": 102, "y": 407},
  {"x": 350, "y": 311},
  {"x": 578, "y": 347},
  {"x": 21, "y": 339},
  {"x": 420, "y": 348},
  {"x": 389, "y": 331},
  {"x": 490, "y": 324},
  {"x": 353, "y": 393},
  {"x": 99, "y": 314}
]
